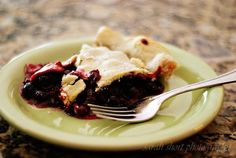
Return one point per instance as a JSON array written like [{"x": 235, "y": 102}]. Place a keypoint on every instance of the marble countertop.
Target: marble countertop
[{"x": 206, "y": 28}]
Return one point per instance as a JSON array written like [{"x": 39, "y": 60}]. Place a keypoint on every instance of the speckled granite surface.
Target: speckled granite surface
[{"x": 206, "y": 28}]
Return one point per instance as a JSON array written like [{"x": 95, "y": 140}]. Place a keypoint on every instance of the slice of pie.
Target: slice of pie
[{"x": 115, "y": 71}]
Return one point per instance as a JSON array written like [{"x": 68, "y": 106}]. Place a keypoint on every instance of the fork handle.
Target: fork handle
[{"x": 226, "y": 78}]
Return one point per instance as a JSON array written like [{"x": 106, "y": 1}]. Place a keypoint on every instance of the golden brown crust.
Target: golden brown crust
[{"x": 149, "y": 51}]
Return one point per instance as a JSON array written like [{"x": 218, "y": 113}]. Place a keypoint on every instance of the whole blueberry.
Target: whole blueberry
[
  {"x": 28, "y": 90},
  {"x": 81, "y": 110},
  {"x": 40, "y": 96}
]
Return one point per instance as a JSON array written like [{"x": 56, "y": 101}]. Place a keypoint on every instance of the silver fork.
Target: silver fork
[{"x": 149, "y": 106}]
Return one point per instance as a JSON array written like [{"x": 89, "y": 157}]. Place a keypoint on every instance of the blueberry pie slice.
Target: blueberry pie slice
[{"x": 115, "y": 71}]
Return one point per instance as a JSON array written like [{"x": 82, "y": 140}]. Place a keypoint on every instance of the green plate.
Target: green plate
[{"x": 179, "y": 117}]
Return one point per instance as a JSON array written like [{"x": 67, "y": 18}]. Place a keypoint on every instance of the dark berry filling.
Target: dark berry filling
[
  {"x": 42, "y": 87},
  {"x": 128, "y": 90},
  {"x": 43, "y": 91}
]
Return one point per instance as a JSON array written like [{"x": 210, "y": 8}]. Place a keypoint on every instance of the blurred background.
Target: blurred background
[{"x": 206, "y": 28}]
